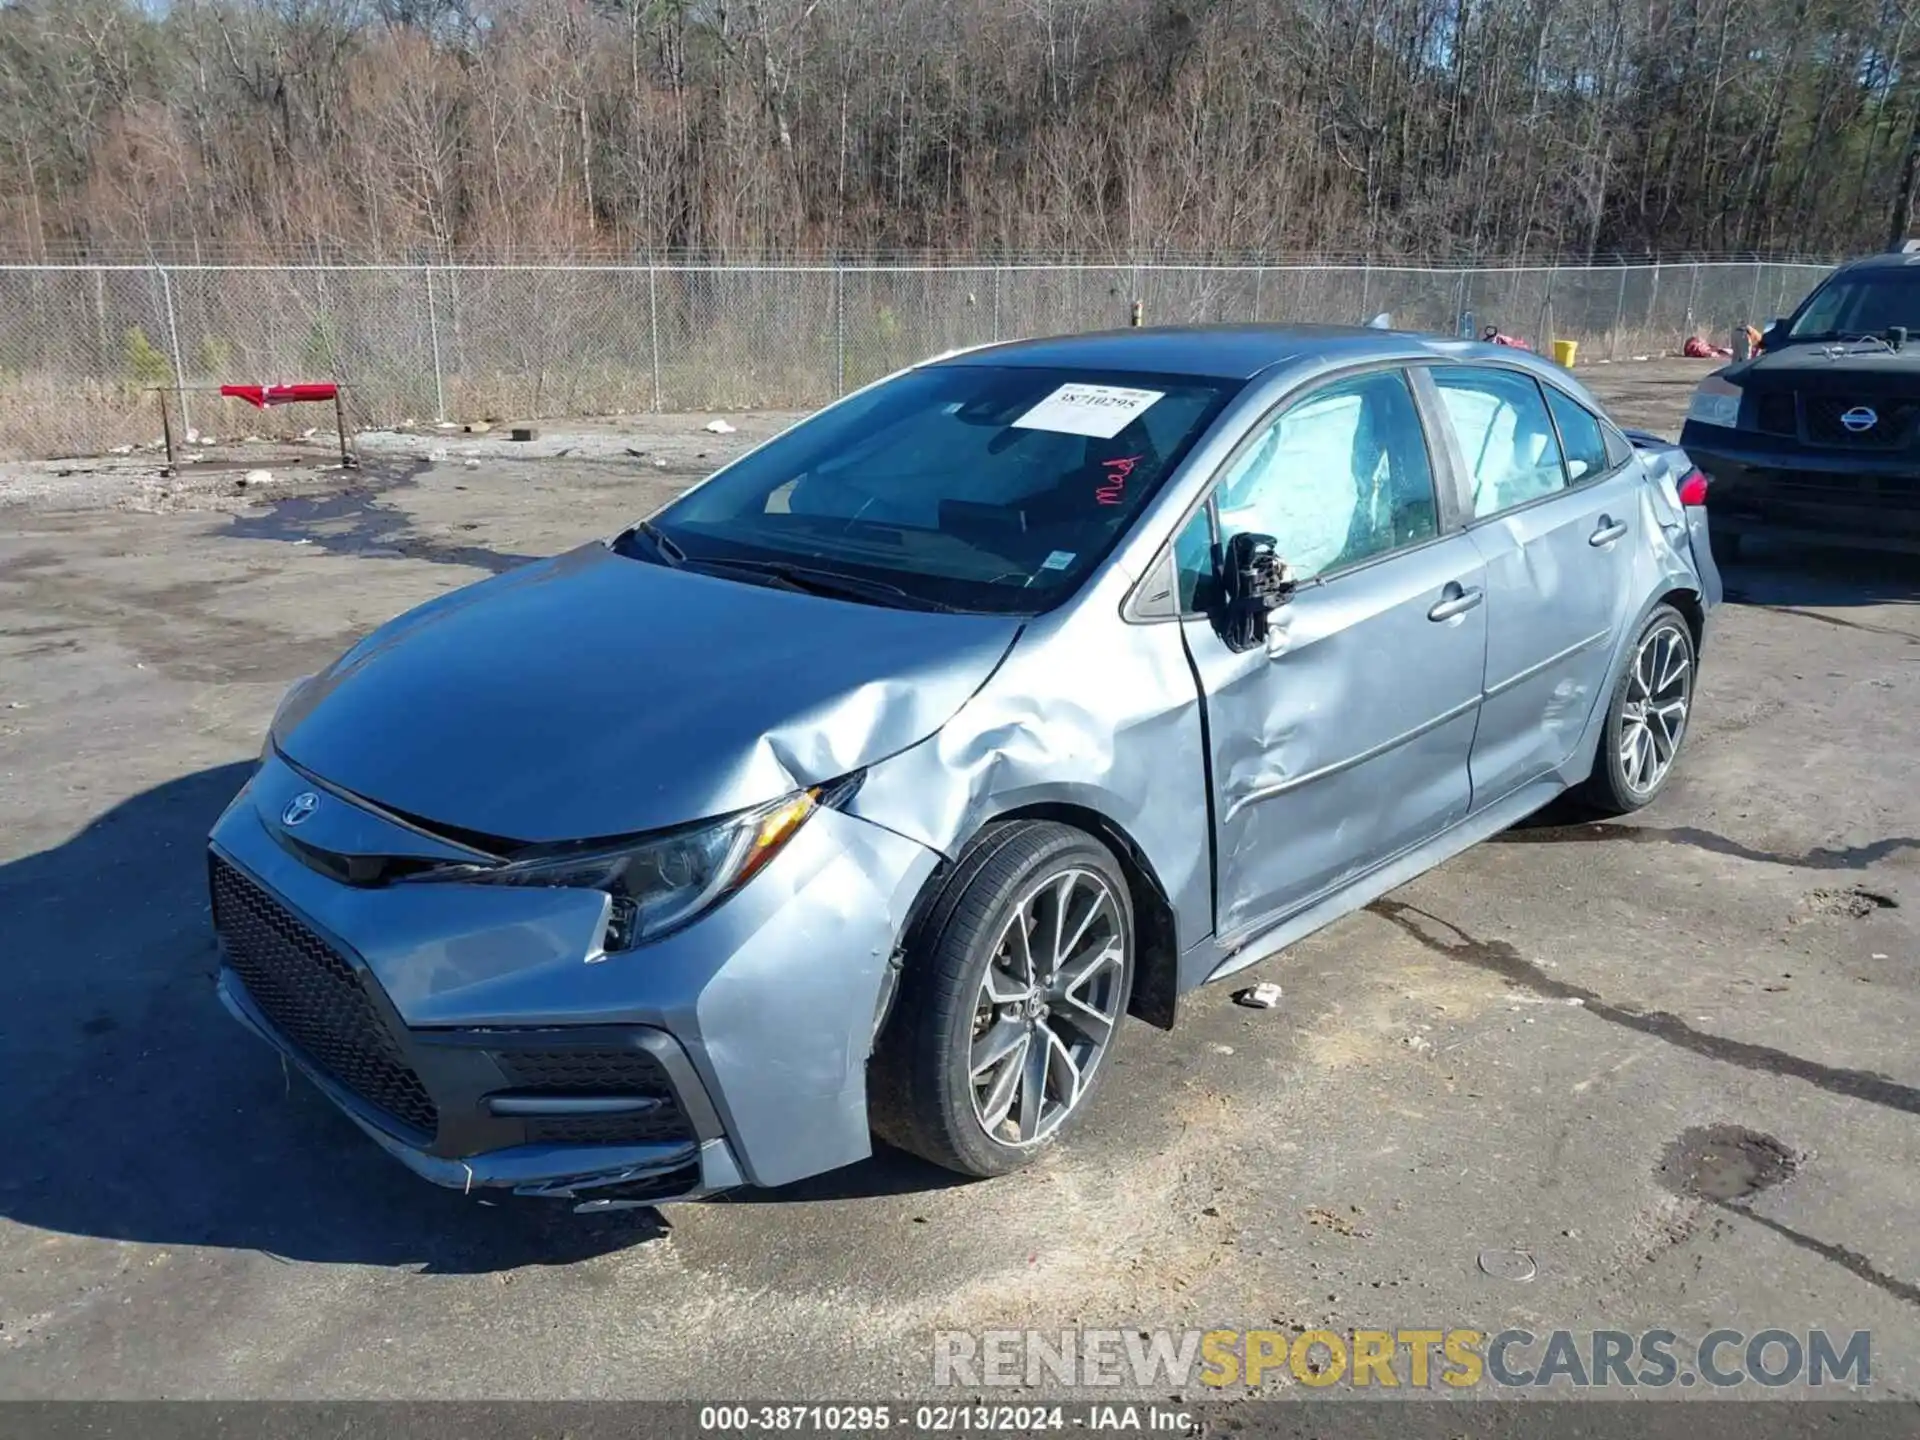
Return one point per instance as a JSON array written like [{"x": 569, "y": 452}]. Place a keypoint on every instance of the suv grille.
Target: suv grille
[
  {"x": 587, "y": 1071},
  {"x": 1774, "y": 413},
  {"x": 1889, "y": 432},
  {"x": 315, "y": 998}
]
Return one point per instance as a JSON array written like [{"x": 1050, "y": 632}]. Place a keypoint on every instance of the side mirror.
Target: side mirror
[
  {"x": 1254, "y": 583},
  {"x": 1774, "y": 335}
]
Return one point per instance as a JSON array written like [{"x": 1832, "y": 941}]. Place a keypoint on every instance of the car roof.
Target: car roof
[
  {"x": 1886, "y": 260},
  {"x": 1233, "y": 352}
]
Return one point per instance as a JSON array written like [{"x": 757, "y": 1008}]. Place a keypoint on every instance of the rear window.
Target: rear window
[{"x": 984, "y": 487}]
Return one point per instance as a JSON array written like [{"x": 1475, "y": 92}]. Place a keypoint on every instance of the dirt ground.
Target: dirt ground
[{"x": 1669, "y": 1062}]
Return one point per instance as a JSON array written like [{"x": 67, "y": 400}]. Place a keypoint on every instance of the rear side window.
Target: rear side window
[
  {"x": 1501, "y": 422},
  {"x": 1619, "y": 448},
  {"x": 1580, "y": 437}
]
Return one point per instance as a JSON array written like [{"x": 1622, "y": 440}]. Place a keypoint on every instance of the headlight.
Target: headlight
[
  {"x": 660, "y": 883},
  {"x": 1716, "y": 402}
]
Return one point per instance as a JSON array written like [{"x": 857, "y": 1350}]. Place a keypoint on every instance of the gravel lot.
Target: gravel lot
[{"x": 1520, "y": 1051}]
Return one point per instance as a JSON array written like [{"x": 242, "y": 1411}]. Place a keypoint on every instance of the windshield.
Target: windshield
[
  {"x": 967, "y": 486},
  {"x": 1864, "y": 303}
]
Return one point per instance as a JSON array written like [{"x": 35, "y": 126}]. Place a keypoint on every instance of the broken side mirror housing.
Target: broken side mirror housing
[{"x": 1255, "y": 582}]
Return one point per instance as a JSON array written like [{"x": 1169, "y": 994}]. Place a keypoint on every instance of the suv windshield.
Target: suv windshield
[
  {"x": 973, "y": 487},
  {"x": 1867, "y": 302}
]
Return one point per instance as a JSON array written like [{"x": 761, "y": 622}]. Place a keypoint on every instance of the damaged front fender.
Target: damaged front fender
[{"x": 1086, "y": 718}]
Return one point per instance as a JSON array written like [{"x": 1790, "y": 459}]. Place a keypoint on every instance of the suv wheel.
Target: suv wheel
[{"x": 1011, "y": 994}]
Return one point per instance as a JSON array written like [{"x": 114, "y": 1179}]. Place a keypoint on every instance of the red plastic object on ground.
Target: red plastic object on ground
[
  {"x": 1698, "y": 349},
  {"x": 261, "y": 396},
  {"x": 1512, "y": 342}
]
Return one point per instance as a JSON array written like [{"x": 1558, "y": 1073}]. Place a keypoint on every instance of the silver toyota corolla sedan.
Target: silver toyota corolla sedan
[{"x": 865, "y": 787}]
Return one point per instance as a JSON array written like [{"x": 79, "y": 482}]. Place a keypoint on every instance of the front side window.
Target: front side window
[
  {"x": 973, "y": 486},
  {"x": 1338, "y": 477},
  {"x": 1193, "y": 562},
  {"x": 1500, "y": 421}
]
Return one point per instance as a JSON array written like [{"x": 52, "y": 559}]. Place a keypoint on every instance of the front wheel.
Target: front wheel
[
  {"x": 1011, "y": 994},
  {"x": 1646, "y": 716}
]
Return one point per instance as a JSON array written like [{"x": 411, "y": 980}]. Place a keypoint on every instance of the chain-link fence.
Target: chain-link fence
[{"x": 82, "y": 346}]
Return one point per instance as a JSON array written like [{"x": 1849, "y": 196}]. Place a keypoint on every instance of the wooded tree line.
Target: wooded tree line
[{"x": 510, "y": 129}]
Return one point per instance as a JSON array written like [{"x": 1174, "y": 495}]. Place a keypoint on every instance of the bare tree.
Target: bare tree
[{"x": 1430, "y": 128}]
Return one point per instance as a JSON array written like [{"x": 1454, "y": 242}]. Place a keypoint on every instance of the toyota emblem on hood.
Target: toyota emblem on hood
[
  {"x": 299, "y": 808},
  {"x": 1860, "y": 418}
]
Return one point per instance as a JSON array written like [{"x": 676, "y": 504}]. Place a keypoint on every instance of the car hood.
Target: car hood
[
  {"x": 595, "y": 695},
  {"x": 1854, "y": 368}
]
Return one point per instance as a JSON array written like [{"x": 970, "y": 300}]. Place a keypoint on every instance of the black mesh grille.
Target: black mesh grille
[
  {"x": 587, "y": 1071},
  {"x": 590, "y": 1071},
  {"x": 1893, "y": 422},
  {"x": 664, "y": 1126},
  {"x": 1775, "y": 413},
  {"x": 314, "y": 998}
]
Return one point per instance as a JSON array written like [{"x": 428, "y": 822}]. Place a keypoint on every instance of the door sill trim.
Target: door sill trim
[{"x": 1232, "y": 955}]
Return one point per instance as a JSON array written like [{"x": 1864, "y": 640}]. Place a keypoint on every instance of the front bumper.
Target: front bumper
[
  {"x": 476, "y": 1032},
  {"x": 1859, "y": 498},
  {"x": 681, "y": 1169}
]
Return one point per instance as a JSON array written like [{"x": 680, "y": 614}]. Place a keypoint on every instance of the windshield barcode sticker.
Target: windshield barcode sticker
[{"x": 1099, "y": 411}]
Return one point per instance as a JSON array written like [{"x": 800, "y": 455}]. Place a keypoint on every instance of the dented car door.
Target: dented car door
[
  {"x": 1342, "y": 739},
  {"x": 1557, "y": 521}
]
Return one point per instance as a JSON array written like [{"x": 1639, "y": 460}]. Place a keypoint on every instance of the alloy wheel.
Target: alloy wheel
[
  {"x": 1653, "y": 712},
  {"x": 1047, "y": 1007}
]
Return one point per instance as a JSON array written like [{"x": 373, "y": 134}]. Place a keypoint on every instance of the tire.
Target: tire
[
  {"x": 1629, "y": 772},
  {"x": 926, "y": 1092}
]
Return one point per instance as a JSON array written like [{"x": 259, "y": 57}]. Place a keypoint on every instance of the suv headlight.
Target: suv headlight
[
  {"x": 658, "y": 883},
  {"x": 1716, "y": 402}
]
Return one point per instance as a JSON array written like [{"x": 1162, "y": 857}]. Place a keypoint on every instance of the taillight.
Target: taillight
[{"x": 1693, "y": 488}]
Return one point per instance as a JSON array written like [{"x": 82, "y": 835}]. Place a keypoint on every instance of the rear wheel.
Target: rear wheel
[
  {"x": 1011, "y": 994},
  {"x": 1646, "y": 716}
]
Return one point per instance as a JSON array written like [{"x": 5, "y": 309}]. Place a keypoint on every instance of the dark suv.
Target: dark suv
[{"x": 1818, "y": 436}]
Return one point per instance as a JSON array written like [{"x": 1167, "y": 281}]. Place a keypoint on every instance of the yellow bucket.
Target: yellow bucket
[{"x": 1564, "y": 351}]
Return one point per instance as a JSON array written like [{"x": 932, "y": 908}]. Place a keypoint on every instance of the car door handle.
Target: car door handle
[
  {"x": 1456, "y": 599},
  {"x": 1610, "y": 530}
]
